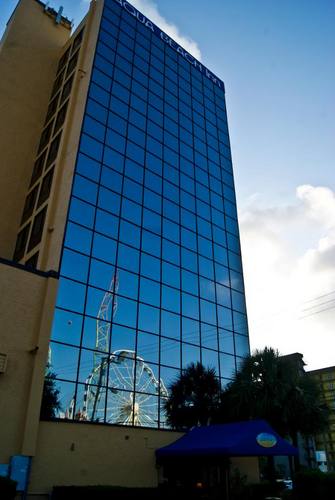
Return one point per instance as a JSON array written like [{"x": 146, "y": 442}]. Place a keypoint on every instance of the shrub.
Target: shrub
[
  {"x": 118, "y": 493},
  {"x": 263, "y": 490},
  {"x": 257, "y": 491},
  {"x": 307, "y": 484},
  {"x": 7, "y": 488},
  {"x": 329, "y": 484},
  {"x": 310, "y": 485},
  {"x": 99, "y": 492},
  {"x": 287, "y": 495}
]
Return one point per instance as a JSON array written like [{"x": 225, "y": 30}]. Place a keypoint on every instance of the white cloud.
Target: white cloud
[
  {"x": 319, "y": 203},
  {"x": 289, "y": 267},
  {"x": 150, "y": 10}
]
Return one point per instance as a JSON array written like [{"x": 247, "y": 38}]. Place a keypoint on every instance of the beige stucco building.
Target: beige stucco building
[
  {"x": 45, "y": 72},
  {"x": 325, "y": 442}
]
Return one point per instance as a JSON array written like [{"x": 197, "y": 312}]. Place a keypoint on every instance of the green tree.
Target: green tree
[
  {"x": 50, "y": 399},
  {"x": 194, "y": 397},
  {"x": 271, "y": 387}
]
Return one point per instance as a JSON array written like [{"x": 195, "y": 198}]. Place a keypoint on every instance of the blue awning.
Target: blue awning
[{"x": 241, "y": 439}]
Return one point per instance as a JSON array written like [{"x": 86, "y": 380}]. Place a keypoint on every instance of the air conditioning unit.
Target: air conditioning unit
[{"x": 3, "y": 362}]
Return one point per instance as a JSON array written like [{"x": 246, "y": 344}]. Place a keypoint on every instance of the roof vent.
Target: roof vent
[{"x": 57, "y": 15}]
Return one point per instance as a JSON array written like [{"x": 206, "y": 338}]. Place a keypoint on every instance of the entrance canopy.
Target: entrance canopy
[{"x": 241, "y": 439}]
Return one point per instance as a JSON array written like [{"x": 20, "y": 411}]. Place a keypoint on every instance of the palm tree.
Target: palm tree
[
  {"x": 194, "y": 397},
  {"x": 50, "y": 399},
  {"x": 271, "y": 387}
]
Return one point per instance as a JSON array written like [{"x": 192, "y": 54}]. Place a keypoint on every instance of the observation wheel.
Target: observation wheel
[{"x": 122, "y": 389}]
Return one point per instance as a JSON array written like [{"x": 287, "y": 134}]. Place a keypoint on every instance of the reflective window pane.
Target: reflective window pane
[
  {"x": 75, "y": 266},
  {"x": 170, "y": 352},
  {"x": 170, "y": 325},
  {"x": 227, "y": 365},
  {"x": 67, "y": 327},
  {"x": 190, "y": 354},
  {"x": 148, "y": 319},
  {"x": 210, "y": 359},
  {"x": 123, "y": 339},
  {"x": 71, "y": 295},
  {"x": 126, "y": 312},
  {"x": 150, "y": 292},
  {"x": 151, "y": 273},
  {"x": 241, "y": 345},
  {"x": 148, "y": 347}
]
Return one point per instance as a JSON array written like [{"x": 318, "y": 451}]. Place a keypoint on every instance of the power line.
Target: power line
[
  {"x": 318, "y": 305},
  {"x": 317, "y": 312},
  {"x": 320, "y": 296},
  {"x": 260, "y": 321}
]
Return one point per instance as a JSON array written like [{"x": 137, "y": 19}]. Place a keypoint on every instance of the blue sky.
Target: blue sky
[{"x": 277, "y": 62}]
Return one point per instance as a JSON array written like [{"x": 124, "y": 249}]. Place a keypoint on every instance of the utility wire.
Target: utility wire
[
  {"x": 319, "y": 304},
  {"x": 317, "y": 312},
  {"x": 320, "y": 296},
  {"x": 260, "y": 321}
]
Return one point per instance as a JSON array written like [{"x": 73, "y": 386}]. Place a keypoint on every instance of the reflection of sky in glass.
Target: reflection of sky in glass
[{"x": 151, "y": 271}]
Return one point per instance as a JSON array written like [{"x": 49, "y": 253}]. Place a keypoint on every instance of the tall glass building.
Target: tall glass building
[
  {"x": 151, "y": 275},
  {"x": 120, "y": 259}
]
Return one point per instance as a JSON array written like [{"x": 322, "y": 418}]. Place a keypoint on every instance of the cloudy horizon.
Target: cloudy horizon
[{"x": 288, "y": 257}]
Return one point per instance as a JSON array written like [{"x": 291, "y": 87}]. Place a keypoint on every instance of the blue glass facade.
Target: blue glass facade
[{"x": 151, "y": 275}]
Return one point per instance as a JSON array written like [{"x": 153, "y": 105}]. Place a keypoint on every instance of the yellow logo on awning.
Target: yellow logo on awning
[{"x": 266, "y": 440}]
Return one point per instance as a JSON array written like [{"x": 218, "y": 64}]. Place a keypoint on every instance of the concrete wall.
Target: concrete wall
[
  {"x": 88, "y": 454},
  {"x": 29, "y": 55},
  {"x": 51, "y": 245},
  {"x": 26, "y": 304}
]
